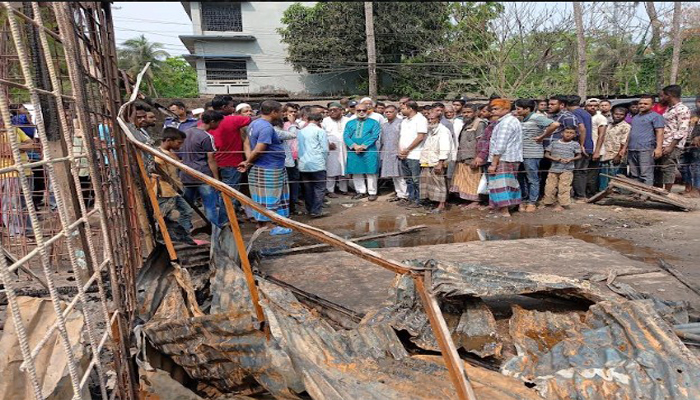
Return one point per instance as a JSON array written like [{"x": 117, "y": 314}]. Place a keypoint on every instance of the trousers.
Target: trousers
[
  {"x": 342, "y": 183},
  {"x": 580, "y": 177},
  {"x": 360, "y": 187},
  {"x": 400, "y": 187},
  {"x": 558, "y": 188},
  {"x": 314, "y": 191},
  {"x": 641, "y": 164}
]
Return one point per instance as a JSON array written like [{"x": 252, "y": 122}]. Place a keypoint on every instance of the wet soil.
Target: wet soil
[{"x": 641, "y": 231}]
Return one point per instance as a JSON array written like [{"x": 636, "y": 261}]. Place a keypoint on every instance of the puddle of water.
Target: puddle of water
[{"x": 446, "y": 232}]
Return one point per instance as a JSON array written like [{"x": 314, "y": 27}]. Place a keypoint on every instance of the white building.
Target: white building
[{"x": 236, "y": 49}]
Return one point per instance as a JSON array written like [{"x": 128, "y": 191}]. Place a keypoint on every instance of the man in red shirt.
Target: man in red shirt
[
  {"x": 659, "y": 107},
  {"x": 228, "y": 140}
]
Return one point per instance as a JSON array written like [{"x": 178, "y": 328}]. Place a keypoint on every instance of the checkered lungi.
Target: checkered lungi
[
  {"x": 504, "y": 188},
  {"x": 269, "y": 188},
  {"x": 432, "y": 186}
]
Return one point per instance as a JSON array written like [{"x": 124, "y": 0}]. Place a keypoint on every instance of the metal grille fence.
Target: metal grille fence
[{"x": 69, "y": 226}]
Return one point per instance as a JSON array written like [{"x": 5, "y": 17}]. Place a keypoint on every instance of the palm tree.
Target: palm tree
[{"x": 136, "y": 52}]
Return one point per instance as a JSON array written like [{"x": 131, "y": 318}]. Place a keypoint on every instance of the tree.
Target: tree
[
  {"x": 176, "y": 79},
  {"x": 510, "y": 49},
  {"x": 329, "y": 38},
  {"x": 136, "y": 52},
  {"x": 677, "y": 41},
  {"x": 582, "y": 70},
  {"x": 655, "y": 43}
]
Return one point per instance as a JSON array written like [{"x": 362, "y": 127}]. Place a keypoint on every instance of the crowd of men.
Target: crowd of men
[{"x": 503, "y": 156}]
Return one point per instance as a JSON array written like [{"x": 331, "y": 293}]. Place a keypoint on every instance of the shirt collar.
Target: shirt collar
[{"x": 528, "y": 117}]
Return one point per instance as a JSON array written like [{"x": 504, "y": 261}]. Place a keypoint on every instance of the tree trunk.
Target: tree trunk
[
  {"x": 677, "y": 41},
  {"x": 655, "y": 43},
  {"x": 581, "y": 45},
  {"x": 371, "y": 50}
]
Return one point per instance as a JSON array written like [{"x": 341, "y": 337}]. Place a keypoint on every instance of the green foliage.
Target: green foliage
[
  {"x": 438, "y": 50},
  {"x": 330, "y": 37},
  {"x": 136, "y": 52},
  {"x": 176, "y": 79}
]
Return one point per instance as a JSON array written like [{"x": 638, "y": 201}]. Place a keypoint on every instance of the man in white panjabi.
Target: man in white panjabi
[{"x": 334, "y": 124}]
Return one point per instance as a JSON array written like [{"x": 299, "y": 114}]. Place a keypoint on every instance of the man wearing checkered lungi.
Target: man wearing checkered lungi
[{"x": 267, "y": 177}]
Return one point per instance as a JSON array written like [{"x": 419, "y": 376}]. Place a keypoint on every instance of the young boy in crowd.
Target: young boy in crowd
[
  {"x": 177, "y": 213},
  {"x": 563, "y": 153}
]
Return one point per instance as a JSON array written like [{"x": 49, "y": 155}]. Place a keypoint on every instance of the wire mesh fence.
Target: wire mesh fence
[{"x": 69, "y": 230}]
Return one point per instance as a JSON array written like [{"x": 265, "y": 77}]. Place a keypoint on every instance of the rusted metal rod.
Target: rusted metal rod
[
  {"x": 156, "y": 208},
  {"x": 454, "y": 364},
  {"x": 243, "y": 254},
  {"x": 293, "y": 250}
]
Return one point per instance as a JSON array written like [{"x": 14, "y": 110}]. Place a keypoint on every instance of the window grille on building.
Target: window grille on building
[
  {"x": 222, "y": 16},
  {"x": 226, "y": 70}
]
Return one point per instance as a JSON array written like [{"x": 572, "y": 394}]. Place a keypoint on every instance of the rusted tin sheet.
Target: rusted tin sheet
[
  {"x": 456, "y": 279},
  {"x": 368, "y": 362},
  {"x": 304, "y": 353},
  {"x": 470, "y": 322},
  {"x": 622, "y": 350},
  {"x": 227, "y": 351}
]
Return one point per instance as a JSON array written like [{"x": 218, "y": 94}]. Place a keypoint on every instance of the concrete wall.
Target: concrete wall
[{"x": 266, "y": 68}]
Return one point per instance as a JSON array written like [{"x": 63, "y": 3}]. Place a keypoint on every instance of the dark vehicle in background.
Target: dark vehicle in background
[{"x": 688, "y": 101}]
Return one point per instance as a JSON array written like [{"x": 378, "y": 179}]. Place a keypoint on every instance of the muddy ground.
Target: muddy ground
[{"x": 642, "y": 231}]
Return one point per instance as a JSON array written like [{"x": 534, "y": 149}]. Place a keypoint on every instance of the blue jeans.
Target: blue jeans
[
  {"x": 184, "y": 211},
  {"x": 232, "y": 177},
  {"x": 530, "y": 180},
  {"x": 690, "y": 167},
  {"x": 209, "y": 197},
  {"x": 607, "y": 168},
  {"x": 294, "y": 176},
  {"x": 314, "y": 191},
  {"x": 411, "y": 172}
]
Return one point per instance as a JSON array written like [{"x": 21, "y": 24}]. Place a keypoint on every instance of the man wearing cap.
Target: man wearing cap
[
  {"x": 370, "y": 111},
  {"x": 334, "y": 124},
  {"x": 244, "y": 109},
  {"x": 350, "y": 111},
  {"x": 360, "y": 136}
]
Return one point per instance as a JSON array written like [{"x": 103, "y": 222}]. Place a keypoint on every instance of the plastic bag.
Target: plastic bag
[{"x": 483, "y": 185}]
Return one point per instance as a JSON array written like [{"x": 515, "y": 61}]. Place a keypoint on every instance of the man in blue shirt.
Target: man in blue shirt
[
  {"x": 267, "y": 177},
  {"x": 644, "y": 143},
  {"x": 313, "y": 153},
  {"x": 183, "y": 122},
  {"x": 585, "y": 127}
]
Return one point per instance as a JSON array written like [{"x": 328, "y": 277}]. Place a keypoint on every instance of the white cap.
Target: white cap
[
  {"x": 365, "y": 99},
  {"x": 198, "y": 111},
  {"x": 242, "y": 106}
]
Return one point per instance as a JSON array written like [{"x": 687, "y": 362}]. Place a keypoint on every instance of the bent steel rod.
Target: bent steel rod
[{"x": 453, "y": 362}]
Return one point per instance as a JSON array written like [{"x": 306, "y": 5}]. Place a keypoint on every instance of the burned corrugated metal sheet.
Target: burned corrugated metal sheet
[
  {"x": 470, "y": 322},
  {"x": 226, "y": 350},
  {"x": 453, "y": 279},
  {"x": 368, "y": 362},
  {"x": 304, "y": 353},
  {"x": 624, "y": 350}
]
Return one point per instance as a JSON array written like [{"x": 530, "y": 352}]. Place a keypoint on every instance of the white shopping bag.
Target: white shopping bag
[{"x": 483, "y": 185}]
